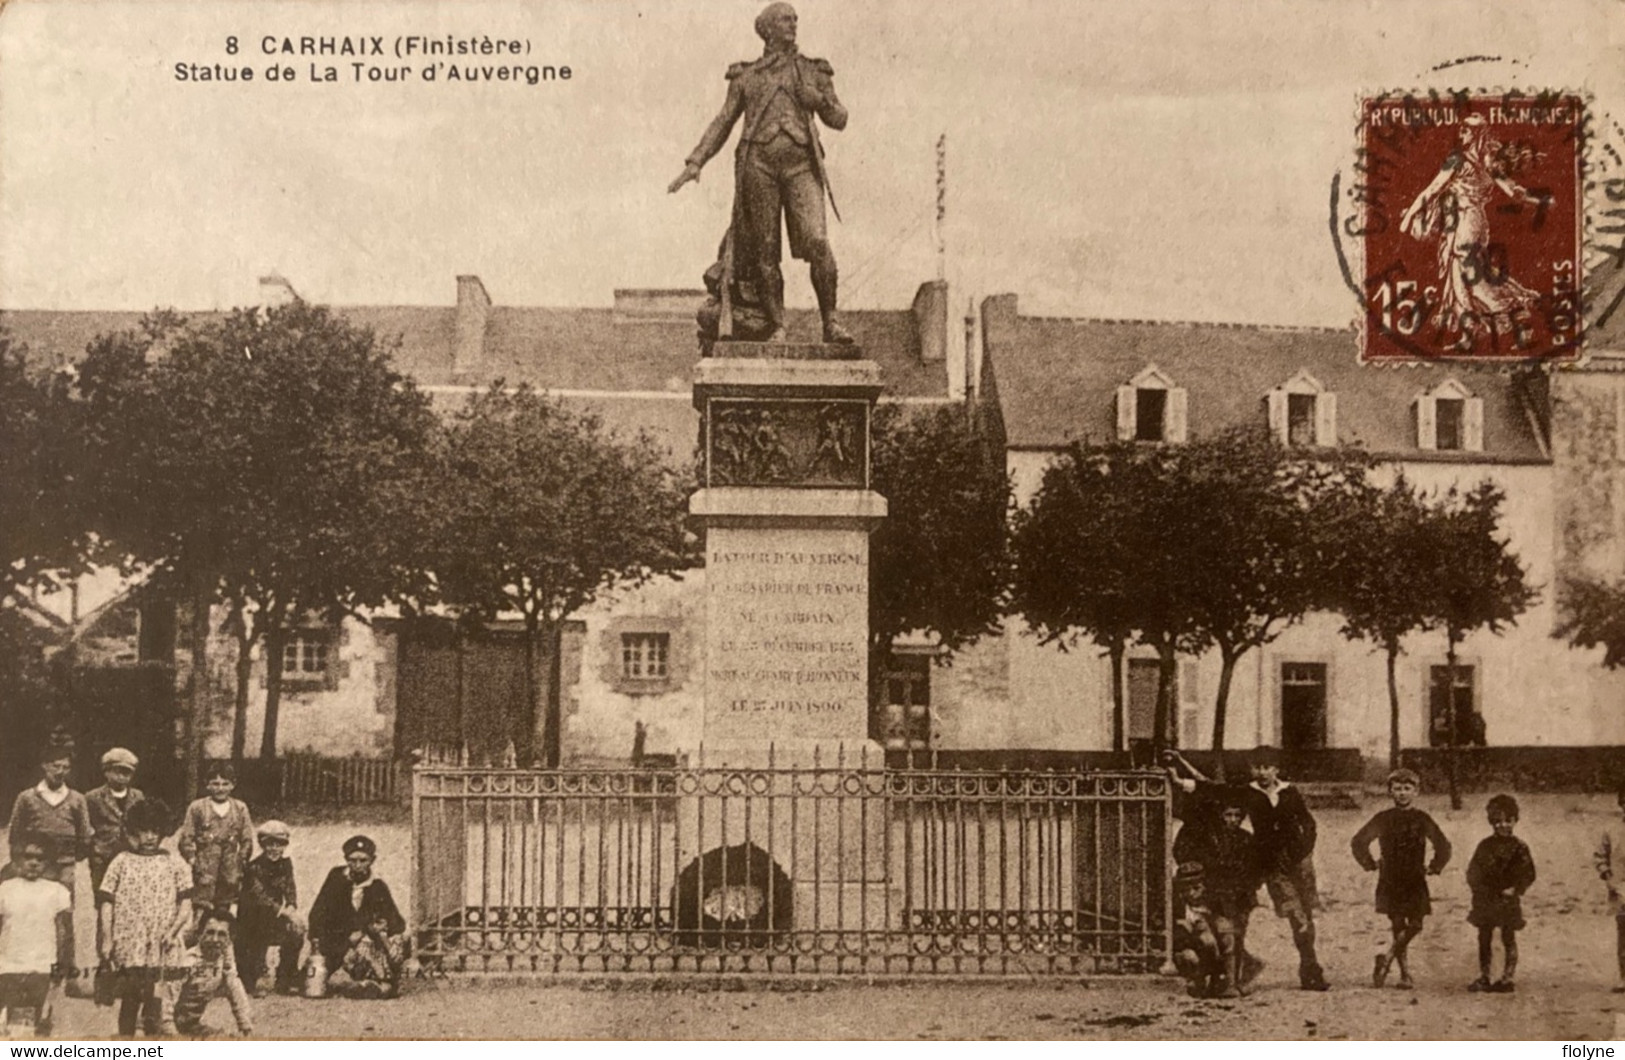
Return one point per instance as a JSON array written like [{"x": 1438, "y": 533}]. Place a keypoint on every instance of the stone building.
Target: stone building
[
  {"x": 629, "y": 664},
  {"x": 1554, "y": 441}
]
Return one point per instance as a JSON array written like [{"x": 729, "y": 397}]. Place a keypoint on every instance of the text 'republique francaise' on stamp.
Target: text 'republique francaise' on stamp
[{"x": 1461, "y": 226}]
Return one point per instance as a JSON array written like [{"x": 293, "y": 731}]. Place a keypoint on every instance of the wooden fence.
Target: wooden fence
[{"x": 318, "y": 780}]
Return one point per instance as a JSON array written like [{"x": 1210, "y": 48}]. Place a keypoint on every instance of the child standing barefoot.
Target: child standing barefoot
[
  {"x": 1501, "y": 870},
  {"x": 1402, "y": 833}
]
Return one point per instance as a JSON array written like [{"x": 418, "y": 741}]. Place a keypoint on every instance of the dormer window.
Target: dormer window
[
  {"x": 1150, "y": 414},
  {"x": 1449, "y": 418},
  {"x": 1302, "y": 412},
  {"x": 1150, "y": 408}
]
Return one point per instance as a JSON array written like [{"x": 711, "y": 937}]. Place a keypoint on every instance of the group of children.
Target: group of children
[
  {"x": 1221, "y": 865},
  {"x": 174, "y": 933}
]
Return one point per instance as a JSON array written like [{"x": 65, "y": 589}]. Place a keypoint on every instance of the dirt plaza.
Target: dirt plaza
[{"x": 1564, "y": 983}]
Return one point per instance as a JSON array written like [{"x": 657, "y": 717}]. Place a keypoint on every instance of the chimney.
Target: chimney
[
  {"x": 999, "y": 314},
  {"x": 931, "y": 321},
  {"x": 276, "y": 291},
  {"x": 473, "y": 306}
]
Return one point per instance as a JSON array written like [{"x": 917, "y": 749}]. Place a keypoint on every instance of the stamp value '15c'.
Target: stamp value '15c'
[{"x": 1472, "y": 227}]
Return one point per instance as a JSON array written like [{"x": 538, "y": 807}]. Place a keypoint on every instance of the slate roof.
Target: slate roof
[
  {"x": 636, "y": 371},
  {"x": 1056, "y": 381}
]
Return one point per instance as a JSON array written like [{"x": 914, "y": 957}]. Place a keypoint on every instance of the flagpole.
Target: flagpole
[{"x": 942, "y": 206}]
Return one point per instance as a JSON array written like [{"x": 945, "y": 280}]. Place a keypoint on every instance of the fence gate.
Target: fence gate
[{"x": 837, "y": 869}]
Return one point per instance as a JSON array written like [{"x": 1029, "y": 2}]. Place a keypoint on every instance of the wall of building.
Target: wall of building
[
  {"x": 603, "y": 708},
  {"x": 355, "y": 716},
  {"x": 1532, "y": 689},
  {"x": 1588, "y": 452}
]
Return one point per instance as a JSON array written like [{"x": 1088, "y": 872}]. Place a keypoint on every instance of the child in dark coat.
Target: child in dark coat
[
  {"x": 1501, "y": 870},
  {"x": 1402, "y": 833},
  {"x": 270, "y": 913},
  {"x": 1233, "y": 875}
]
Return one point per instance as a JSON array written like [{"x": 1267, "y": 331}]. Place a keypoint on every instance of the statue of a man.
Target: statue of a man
[{"x": 779, "y": 167}]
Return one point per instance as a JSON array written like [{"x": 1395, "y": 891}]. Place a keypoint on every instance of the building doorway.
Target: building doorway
[
  {"x": 1303, "y": 706},
  {"x": 1140, "y": 726},
  {"x": 1469, "y": 722}
]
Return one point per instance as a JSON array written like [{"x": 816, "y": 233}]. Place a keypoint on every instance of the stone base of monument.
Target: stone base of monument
[{"x": 787, "y": 788}]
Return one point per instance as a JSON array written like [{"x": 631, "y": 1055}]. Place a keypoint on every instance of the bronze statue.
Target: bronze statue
[{"x": 778, "y": 172}]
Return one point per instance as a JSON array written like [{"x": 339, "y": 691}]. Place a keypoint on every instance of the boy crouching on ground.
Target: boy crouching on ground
[
  {"x": 212, "y": 974},
  {"x": 270, "y": 914},
  {"x": 1196, "y": 945}
]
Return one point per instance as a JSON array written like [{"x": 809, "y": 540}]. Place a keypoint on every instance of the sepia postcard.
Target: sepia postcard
[{"x": 584, "y": 519}]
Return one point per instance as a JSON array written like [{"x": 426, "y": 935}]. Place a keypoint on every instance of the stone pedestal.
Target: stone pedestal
[{"x": 787, "y": 509}]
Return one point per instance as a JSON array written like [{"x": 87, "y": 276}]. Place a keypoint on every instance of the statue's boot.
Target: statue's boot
[
  {"x": 834, "y": 333},
  {"x": 773, "y": 310},
  {"x": 824, "y": 281}
]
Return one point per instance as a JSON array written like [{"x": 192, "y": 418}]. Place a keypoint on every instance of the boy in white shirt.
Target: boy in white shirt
[{"x": 36, "y": 936}]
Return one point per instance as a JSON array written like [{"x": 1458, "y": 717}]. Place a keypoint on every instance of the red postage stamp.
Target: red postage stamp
[{"x": 1473, "y": 227}]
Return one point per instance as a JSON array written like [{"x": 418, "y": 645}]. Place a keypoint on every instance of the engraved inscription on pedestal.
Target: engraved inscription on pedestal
[
  {"x": 787, "y": 442},
  {"x": 787, "y": 626}
]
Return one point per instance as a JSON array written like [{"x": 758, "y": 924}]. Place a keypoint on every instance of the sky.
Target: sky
[{"x": 1168, "y": 159}]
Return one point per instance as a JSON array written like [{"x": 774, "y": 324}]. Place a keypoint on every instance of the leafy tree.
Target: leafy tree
[
  {"x": 544, "y": 510},
  {"x": 1477, "y": 582},
  {"x": 253, "y": 459},
  {"x": 161, "y": 479},
  {"x": 1380, "y": 585},
  {"x": 1594, "y": 616},
  {"x": 940, "y": 560},
  {"x": 1098, "y": 555},
  {"x": 1258, "y": 540},
  {"x": 335, "y": 462},
  {"x": 42, "y": 527},
  {"x": 1076, "y": 561}
]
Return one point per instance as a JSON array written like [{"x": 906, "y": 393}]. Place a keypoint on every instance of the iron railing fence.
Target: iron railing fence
[{"x": 790, "y": 870}]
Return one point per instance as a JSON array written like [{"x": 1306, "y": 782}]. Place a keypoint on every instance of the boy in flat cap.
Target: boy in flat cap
[
  {"x": 269, "y": 913},
  {"x": 108, "y": 805},
  {"x": 355, "y": 927}
]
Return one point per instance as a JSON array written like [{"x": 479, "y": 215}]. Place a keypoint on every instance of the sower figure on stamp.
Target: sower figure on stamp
[{"x": 778, "y": 170}]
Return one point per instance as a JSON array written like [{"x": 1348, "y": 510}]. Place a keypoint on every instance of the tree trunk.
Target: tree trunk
[
  {"x": 1393, "y": 706},
  {"x": 276, "y": 639},
  {"x": 1451, "y": 753},
  {"x": 524, "y": 730},
  {"x": 1221, "y": 703},
  {"x": 1164, "y": 735},
  {"x": 552, "y": 734},
  {"x": 879, "y": 665},
  {"x": 245, "y": 672},
  {"x": 1119, "y": 702},
  {"x": 197, "y": 707}
]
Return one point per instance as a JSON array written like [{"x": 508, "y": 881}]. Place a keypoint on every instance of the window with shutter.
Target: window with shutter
[
  {"x": 1426, "y": 434},
  {"x": 1326, "y": 419},
  {"x": 1150, "y": 411},
  {"x": 1175, "y": 427},
  {"x": 1472, "y": 425}
]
